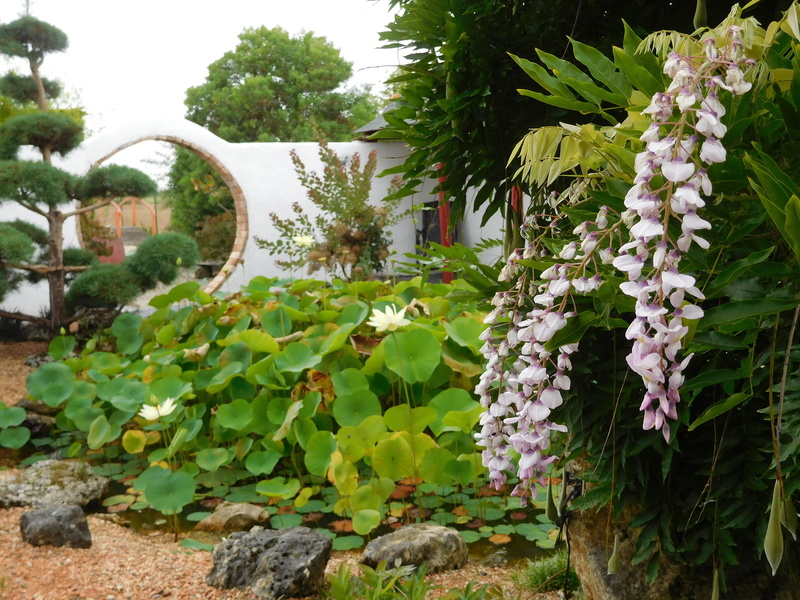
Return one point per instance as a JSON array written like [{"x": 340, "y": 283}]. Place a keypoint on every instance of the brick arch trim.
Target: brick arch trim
[{"x": 236, "y": 256}]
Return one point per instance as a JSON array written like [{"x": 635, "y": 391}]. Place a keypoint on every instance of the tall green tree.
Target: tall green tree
[
  {"x": 38, "y": 186},
  {"x": 272, "y": 88}
]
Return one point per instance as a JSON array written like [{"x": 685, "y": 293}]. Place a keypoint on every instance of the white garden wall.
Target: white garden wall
[{"x": 262, "y": 179}]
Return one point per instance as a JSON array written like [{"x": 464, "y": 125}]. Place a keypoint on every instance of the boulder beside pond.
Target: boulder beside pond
[
  {"x": 439, "y": 548},
  {"x": 234, "y": 516},
  {"x": 52, "y": 483},
  {"x": 284, "y": 563},
  {"x": 56, "y": 526}
]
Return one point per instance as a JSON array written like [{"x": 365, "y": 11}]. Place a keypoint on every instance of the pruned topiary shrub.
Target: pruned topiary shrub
[
  {"x": 102, "y": 286},
  {"x": 159, "y": 259}
]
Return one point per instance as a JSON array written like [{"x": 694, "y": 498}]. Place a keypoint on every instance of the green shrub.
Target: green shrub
[
  {"x": 160, "y": 258},
  {"x": 102, "y": 286},
  {"x": 546, "y": 574}
]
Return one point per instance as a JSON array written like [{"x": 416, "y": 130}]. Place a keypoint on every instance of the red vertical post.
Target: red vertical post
[{"x": 444, "y": 223}]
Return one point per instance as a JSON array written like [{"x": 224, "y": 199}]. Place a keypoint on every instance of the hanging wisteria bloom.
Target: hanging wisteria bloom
[
  {"x": 684, "y": 138},
  {"x": 527, "y": 364}
]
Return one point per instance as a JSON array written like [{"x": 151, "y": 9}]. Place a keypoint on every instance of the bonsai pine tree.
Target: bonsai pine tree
[{"x": 39, "y": 186}]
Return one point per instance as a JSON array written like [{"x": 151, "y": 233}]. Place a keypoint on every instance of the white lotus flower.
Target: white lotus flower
[
  {"x": 153, "y": 413},
  {"x": 305, "y": 241},
  {"x": 388, "y": 320}
]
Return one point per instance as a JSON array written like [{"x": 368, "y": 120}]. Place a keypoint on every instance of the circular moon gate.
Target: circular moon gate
[{"x": 240, "y": 203}]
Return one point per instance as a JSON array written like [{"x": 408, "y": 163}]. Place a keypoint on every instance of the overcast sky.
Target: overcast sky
[{"x": 132, "y": 59}]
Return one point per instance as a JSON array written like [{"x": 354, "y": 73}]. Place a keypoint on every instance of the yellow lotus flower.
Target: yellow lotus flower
[
  {"x": 153, "y": 413},
  {"x": 388, "y": 320}
]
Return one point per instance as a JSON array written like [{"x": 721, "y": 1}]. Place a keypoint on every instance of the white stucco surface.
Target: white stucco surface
[{"x": 266, "y": 176}]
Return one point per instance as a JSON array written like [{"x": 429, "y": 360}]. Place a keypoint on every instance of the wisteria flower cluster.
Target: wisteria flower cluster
[{"x": 526, "y": 370}]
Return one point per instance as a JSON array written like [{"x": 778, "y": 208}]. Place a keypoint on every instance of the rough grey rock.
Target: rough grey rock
[
  {"x": 440, "y": 548},
  {"x": 52, "y": 483},
  {"x": 56, "y": 526},
  {"x": 234, "y": 516},
  {"x": 288, "y": 562}
]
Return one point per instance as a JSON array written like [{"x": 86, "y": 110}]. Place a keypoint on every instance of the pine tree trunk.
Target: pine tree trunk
[{"x": 55, "y": 278}]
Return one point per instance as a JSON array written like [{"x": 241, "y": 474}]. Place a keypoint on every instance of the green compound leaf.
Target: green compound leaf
[{"x": 413, "y": 355}]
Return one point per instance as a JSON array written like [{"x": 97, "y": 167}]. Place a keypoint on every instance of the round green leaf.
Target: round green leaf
[
  {"x": 296, "y": 357},
  {"x": 451, "y": 399},
  {"x": 365, "y": 498},
  {"x": 14, "y": 437},
  {"x": 318, "y": 452},
  {"x": 170, "y": 493},
  {"x": 364, "y": 521},
  {"x": 286, "y": 520},
  {"x": 430, "y": 469},
  {"x": 99, "y": 432},
  {"x": 261, "y": 462},
  {"x": 60, "y": 347},
  {"x": 466, "y": 331},
  {"x": 351, "y": 443},
  {"x": 404, "y": 418},
  {"x": 348, "y": 542},
  {"x": 82, "y": 413},
  {"x": 126, "y": 329},
  {"x": 169, "y": 387},
  {"x": 51, "y": 383},
  {"x": 413, "y": 355},
  {"x": 352, "y": 409},
  {"x": 212, "y": 459},
  {"x": 349, "y": 381},
  {"x": 278, "y": 487},
  {"x": 134, "y": 441},
  {"x": 11, "y": 417},
  {"x": 259, "y": 341},
  {"x": 235, "y": 415},
  {"x": 393, "y": 459}
]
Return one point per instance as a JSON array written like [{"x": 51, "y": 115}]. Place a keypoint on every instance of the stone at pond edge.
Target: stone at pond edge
[
  {"x": 288, "y": 562},
  {"x": 234, "y": 516},
  {"x": 438, "y": 547},
  {"x": 52, "y": 483},
  {"x": 56, "y": 526}
]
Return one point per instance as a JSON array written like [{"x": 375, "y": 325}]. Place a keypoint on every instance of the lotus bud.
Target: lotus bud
[
  {"x": 614, "y": 562},
  {"x": 179, "y": 262},
  {"x": 62, "y": 331},
  {"x": 773, "y": 540},
  {"x": 789, "y": 518},
  {"x": 551, "y": 511}
]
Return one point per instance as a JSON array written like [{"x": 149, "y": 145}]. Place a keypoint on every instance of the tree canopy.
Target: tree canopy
[
  {"x": 273, "y": 87},
  {"x": 277, "y": 88}
]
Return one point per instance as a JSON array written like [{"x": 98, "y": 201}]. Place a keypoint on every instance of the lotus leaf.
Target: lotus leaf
[
  {"x": 413, "y": 355},
  {"x": 51, "y": 383},
  {"x": 393, "y": 459},
  {"x": 318, "y": 453},
  {"x": 352, "y": 409},
  {"x": 235, "y": 415}
]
